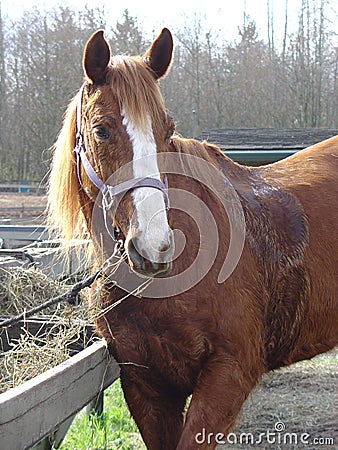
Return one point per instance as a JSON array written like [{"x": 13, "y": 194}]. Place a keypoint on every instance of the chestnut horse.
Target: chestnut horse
[{"x": 210, "y": 329}]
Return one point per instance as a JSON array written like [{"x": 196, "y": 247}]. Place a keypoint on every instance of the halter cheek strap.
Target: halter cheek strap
[
  {"x": 80, "y": 151},
  {"x": 109, "y": 193}
]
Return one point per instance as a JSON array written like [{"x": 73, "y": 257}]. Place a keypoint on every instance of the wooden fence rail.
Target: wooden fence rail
[
  {"x": 24, "y": 187},
  {"x": 40, "y": 411},
  {"x": 21, "y": 208}
]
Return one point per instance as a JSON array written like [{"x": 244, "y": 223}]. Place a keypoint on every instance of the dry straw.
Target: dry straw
[{"x": 30, "y": 355}]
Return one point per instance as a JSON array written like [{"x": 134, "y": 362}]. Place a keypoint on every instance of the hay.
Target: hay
[
  {"x": 21, "y": 289},
  {"x": 33, "y": 355},
  {"x": 30, "y": 355}
]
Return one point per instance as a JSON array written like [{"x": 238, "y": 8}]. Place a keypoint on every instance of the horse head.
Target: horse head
[{"x": 123, "y": 125}]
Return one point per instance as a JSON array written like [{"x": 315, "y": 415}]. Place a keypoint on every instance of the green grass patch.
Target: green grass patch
[{"x": 115, "y": 430}]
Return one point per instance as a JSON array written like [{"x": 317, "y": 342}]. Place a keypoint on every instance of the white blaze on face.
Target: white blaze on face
[{"x": 150, "y": 210}]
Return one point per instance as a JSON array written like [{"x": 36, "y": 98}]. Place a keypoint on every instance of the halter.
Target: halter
[{"x": 109, "y": 193}]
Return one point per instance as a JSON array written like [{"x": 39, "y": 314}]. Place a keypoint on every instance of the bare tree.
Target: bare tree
[
  {"x": 127, "y": 36},
  {"x": 285, "y": 31},
  {"x": 271, "y": 30},
  {"x": 3, "y": 153}
]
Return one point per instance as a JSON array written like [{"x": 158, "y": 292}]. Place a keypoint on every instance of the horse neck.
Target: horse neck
[
  {"x": 239, "y": 176},
  {"x": 216, "y": 192}
]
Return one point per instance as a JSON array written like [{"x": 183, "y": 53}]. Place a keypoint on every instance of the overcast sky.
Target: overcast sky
[{"x": 224, "y": 15}]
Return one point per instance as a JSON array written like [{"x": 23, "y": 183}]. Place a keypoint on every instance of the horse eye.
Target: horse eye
[{"x": 101, "y": 132}]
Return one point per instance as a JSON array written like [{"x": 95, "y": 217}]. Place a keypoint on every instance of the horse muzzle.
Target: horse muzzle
[{"x": 141, "y": 261}]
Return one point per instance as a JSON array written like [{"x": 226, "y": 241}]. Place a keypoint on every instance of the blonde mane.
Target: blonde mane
[
  {"x": 137, "y": 91},
  {"x": 64, "y": 210}
]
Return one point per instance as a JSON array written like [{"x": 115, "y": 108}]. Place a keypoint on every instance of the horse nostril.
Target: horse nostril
[
  {"x": 132, "y": 250},
  {"x": 165, "y": 247}
]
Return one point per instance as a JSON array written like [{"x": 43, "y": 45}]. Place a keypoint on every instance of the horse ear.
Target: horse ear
[
  {"x": 159, "y": 56},
  {"x": 96, "y": 57}
]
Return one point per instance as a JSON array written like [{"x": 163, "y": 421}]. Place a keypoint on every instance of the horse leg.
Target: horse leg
[
  {"x": 158, "y": 415},
  {"x": 216, "y": 401}
]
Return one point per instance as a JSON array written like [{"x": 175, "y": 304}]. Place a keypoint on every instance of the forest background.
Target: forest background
[{"x": 213, "y": 83}]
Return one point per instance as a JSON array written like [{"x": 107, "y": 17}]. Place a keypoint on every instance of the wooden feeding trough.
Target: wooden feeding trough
[{"x": 38, "y": 413}]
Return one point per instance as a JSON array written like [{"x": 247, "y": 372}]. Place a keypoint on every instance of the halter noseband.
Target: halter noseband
[{"x": 109, "y": 193}]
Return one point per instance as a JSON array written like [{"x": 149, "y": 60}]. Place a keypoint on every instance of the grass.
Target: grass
[
  {"x": 115, "y": 430},
  {"x": 302, "y": 396}
]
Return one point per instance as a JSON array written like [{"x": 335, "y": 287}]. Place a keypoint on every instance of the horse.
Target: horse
[{"x": 179, "y": 330}]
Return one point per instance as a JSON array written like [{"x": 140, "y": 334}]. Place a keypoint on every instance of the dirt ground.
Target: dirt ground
[
  {"x": 292, "y": 408},
  {"x": 22, "y": 216}
]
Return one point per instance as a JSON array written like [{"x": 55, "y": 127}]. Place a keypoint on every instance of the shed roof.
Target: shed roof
[
  {"x": 267, "y": 138},
  {"x": 256, "y": 146}
]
